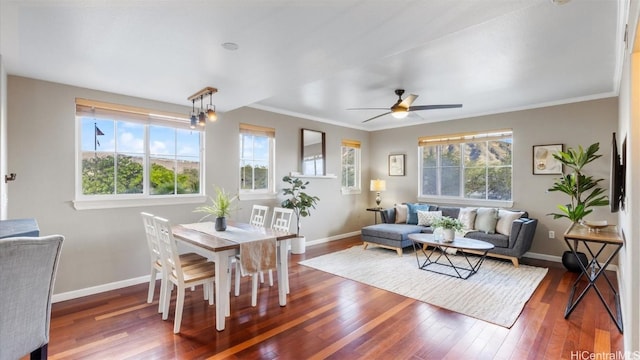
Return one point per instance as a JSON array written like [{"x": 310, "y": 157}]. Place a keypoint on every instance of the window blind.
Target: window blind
[{"x": 465, "y": 137}]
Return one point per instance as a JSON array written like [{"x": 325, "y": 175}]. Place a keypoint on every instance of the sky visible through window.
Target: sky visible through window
[{"x": 130, "y": 139}]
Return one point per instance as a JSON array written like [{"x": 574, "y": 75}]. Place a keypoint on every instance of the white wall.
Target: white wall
[
  {"x": 629, "y": 127},
  {"x": 3, "y": 141},
  {"x": 574, "y": 124},
  {"x": 105, "y": 246}
]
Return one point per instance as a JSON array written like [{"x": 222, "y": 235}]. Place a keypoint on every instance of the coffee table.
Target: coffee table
[{"x": 435, "y": 260}]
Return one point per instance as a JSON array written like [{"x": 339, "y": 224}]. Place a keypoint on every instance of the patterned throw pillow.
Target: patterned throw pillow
[
  {"x": 412, "y": 215},
  {"x": 401, "y": 213},
  {"x": 467, "y": 217},
  {"x": 425, "y": 218},
  {"x": 505, "y": 220},
  {"x": 486, "y": 220}
]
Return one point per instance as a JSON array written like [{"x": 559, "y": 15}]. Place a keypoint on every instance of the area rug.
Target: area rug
[{"x": 496, "y": 294}]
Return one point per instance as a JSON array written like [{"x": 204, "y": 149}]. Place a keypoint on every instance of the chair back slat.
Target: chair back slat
[
  {"x": 281, "y": 220},
  {"x": 152, "y": 236},
  {"x": 258, "y": 215},
  {"x": 168, "y": 250}
]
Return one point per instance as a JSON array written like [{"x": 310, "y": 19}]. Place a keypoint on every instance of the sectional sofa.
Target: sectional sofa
[{"x": 511, "y": 232}]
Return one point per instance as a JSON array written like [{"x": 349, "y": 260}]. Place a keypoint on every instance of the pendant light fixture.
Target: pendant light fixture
[
  {"x": 211, "y": 110},
  {"x": 202, "y": 118},
  {"x": 202, "y": 115},
  {"x": 194, "y": 120}
]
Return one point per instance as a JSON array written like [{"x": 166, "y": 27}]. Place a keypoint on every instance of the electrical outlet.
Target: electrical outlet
[{"x": 552, "y": 234}]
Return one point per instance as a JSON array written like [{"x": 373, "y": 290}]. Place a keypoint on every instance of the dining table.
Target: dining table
[{"x": 221, "y": 245}]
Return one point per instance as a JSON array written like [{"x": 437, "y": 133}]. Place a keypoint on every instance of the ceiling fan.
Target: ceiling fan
[{"x": 401, "y": 108}]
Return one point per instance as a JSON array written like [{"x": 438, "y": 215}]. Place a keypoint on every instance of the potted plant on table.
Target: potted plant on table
[
  {"x": 301, "y": 203},
  {"x": 583, "y": 191},
  {"x": 221, "y": 206},
  {"x": 449, "y": 227}
]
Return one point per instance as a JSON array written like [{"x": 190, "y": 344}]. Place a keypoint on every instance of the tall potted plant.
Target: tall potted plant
[
  {"x": 583, "y": 191},
  {"x": 221, "y": 206},
  {"x": 301, "y": 203}
]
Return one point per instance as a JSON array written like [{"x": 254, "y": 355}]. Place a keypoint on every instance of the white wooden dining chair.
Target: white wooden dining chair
[
  {"x": 177, "y": 274},
  {"x": 281, "y": 221},
  {"x": 258, "y": 215},
  {"x": 258, "y": 218},
  {"x": 155, "y": 260}
]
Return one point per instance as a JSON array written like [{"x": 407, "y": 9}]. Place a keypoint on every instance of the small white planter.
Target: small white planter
[
  {"x": 298, "y": 245},
  {"x": 448, "y": 235}
]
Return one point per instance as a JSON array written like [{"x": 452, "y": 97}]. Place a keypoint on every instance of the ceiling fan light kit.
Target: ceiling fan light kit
[
  {"x": 203, "y": 115},
  {"x": 402, "y": 107}
]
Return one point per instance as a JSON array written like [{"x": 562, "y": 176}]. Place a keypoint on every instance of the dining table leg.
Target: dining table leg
[
  {"x": 221, "y": 288},
  {"x": 283, "y": 271}
]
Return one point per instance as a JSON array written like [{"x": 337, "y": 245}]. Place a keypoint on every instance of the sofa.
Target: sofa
[{"x": 511, "y": 232}]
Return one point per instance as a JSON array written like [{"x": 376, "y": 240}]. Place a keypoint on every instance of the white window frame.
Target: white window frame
[
  {"x": 461, "y": 139},
  {"x": 147, "y": 118},
  {"x": 270, "y": 191},
  {"x": 357, "y": 188}
]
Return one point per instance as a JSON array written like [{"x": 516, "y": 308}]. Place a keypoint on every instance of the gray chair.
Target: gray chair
[{"x": 27, "y": 273}]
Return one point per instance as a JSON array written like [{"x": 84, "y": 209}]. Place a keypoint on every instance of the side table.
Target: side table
[
  {"x": 376, "y": 210},
  {"x": 605, "y": 237}
]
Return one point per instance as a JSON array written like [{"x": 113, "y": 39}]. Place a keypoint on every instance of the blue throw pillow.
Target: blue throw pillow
[{"x": 412, "y": 212}]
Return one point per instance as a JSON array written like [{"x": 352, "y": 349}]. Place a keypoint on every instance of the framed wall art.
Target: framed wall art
[
  {"x": 543, "y": 161},
  {"x": 396, "y": 165}
]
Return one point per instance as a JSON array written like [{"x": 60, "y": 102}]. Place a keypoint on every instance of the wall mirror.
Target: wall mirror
[{"x": 312, "y": 152}]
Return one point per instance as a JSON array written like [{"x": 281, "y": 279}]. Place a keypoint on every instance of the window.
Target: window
[
  {"x": 257, "y": 158},
  {"x": 131, "y": 153},
  {"x": 475, "y": 166},
  {"x": 350, "y": 153}
]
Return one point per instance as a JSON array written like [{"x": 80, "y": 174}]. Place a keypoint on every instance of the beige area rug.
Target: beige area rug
[{"x": 496, "y": 294}]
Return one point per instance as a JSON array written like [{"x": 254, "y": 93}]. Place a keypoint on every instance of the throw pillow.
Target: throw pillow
[
  {"x": 412, "y": 215},
  {"x": 401, "y": 213},
  {"x": 486, "y": 220},
  {"x": 505, "y": 219},
  {"x": 425, "y": 218},
  {"x": 467, "y": 217}
]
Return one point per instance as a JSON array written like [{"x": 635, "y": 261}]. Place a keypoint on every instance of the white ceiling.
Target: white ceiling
[{"x": 316, "y": 58}]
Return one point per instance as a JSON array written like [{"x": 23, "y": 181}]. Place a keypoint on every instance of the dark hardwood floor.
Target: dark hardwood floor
[{"x": 328, "y": 317}]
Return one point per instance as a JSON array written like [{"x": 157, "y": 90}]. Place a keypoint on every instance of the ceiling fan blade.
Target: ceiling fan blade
[
  {"x": 433, "y": 107},
  {"x": 406, "y": 103},
  {"x": 385, "y": 108},
  {"x": 375, "y": 117}
]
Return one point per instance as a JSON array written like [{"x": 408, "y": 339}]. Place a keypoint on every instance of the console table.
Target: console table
[{"x": 602, "y": 238}]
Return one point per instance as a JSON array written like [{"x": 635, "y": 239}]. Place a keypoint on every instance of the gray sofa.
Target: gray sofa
[{"x": 392, "y": 235}]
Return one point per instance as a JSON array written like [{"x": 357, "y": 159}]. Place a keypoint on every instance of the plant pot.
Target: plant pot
[
  {"x": 570, "y": 261},
  {"x": 448, "y": 235},
  {"x": 221, "y": 224},
  {"x": 298, "y": 245}
]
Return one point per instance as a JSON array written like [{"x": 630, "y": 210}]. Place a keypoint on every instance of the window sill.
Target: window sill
[
  {"x": 302, "y": 176},
  {"x": 350, "y": 191},
  {"x": 120, "y": 203},
  {"x": 257, "y": 196},
  {"x": 468, "y": 202}
]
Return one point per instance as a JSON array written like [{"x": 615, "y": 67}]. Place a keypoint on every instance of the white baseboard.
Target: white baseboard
[
  {"x": 145, "y": 279},
  {"x": 99, "y": 289},
  {"x": 333, "y": 238},
  {"x": 558, "y": 259}
]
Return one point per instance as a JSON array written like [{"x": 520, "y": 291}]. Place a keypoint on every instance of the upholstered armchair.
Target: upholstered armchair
[{"x": 27, "y": 273}]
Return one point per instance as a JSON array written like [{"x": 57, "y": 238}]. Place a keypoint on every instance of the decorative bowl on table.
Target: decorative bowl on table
[{"x": 595, "y": 225}]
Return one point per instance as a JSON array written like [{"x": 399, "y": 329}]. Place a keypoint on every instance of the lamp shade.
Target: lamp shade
[{"x": 378, "y": 185}]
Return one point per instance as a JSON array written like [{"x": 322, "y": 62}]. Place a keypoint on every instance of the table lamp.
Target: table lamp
[{"x": 378, "y": 186}]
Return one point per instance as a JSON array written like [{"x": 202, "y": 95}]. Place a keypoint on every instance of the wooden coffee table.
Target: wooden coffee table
[{"x": 435, "y": 260}]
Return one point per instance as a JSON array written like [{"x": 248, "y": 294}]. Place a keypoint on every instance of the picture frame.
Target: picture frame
[
  {"x": 543, "y": 161},
  {"x": 396, "y": 165}
]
